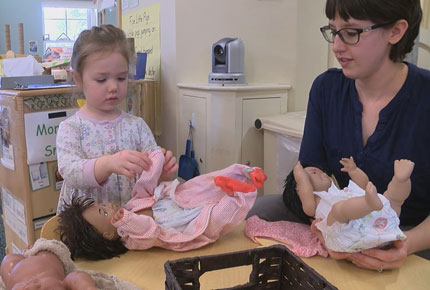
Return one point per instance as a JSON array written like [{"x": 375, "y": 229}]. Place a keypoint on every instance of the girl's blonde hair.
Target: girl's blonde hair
[{"x": 103, "y": 38}]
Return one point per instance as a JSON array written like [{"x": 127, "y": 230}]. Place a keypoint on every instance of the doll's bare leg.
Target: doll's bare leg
[
  {"x": 305, "y": 190},
  {"x": 399, "y": 187},
  {"x": 355, "y": 207},
  {"x": 79, "y": 281},
  {"x": 9, "y": 261}
]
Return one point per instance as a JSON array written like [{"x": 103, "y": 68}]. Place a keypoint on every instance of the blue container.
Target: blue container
[{"x": 140, "y": 65}]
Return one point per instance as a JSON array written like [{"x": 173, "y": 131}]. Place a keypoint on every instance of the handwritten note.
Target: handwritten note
[{"x": 143, "y": 25}]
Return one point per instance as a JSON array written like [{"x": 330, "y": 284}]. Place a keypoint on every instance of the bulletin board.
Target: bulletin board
[{"x": 143, "y": 24}]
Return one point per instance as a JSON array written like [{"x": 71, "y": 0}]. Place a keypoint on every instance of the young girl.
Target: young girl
[
  {"x": 171, "y": 216},
  {"x": 101, "y": 150},
  {"x": 356, "y": 217}
]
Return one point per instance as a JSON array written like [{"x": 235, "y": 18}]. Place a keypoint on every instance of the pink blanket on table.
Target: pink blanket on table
[{"x": 298, "y": 237}]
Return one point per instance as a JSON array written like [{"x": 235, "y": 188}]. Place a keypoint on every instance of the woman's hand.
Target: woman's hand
[
  {"x": 381, "y": 259},
  {"x": 170, "y": 166}
]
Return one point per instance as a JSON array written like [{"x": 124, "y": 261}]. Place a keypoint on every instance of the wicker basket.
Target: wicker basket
[{"x": 273, "y": 268}]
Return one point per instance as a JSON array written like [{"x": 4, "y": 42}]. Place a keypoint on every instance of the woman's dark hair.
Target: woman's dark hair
[
  {"x": 82, "y": 239},
  {"x": 379, "y": 12},
  {"x": 291, "y": 198}
]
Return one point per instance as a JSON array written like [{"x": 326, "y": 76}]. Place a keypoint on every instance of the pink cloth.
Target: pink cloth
[
  {"x": 221, "y": 212},
  {"x": 298, "y": 237}
]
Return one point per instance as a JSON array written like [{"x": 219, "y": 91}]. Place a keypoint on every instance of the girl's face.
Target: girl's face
[
  {"x": 319, "y": 179},
  {"x": 99, "y": 216},
  {"x": 104, "y": 83},
  {"x": 367, "y": 57}
]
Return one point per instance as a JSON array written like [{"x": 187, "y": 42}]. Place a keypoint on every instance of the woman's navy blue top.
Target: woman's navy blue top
[{"x": 333, "y": 130}]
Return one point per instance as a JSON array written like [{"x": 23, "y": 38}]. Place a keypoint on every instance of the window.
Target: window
[
  {"x": 62, "y": 23},
  {"x": 65, "y": 23}
]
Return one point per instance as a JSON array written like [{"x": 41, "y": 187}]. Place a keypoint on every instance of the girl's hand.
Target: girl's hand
[
  {"x": 130, "y": 162},
  {"x": 125, "y": 162},
  {"x": 170, "y": 166}
]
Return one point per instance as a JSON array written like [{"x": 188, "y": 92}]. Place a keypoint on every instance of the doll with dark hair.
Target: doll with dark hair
[
  {"x": 73, "y": 228},
  {"x": 356, "y": 217},
  {"x": 169, "y": 215}
]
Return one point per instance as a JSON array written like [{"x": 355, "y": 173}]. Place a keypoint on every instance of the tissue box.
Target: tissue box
[{"x": 14, "y": 82}]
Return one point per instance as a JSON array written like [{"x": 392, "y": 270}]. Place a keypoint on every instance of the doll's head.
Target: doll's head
[
  {"x": 291, "y": 198},
  {"x": 82, "y": 237}
]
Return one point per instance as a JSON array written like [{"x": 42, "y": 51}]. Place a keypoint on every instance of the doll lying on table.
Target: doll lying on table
[
  {"x": 47, "y": 265},
  {"x": 356, "y": 217},
  {"x": 170, "y": 215}
]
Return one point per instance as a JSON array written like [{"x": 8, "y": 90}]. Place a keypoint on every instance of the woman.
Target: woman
[{"x": 376, "y": 109}]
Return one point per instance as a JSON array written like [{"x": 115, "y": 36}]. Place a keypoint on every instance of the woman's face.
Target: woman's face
[{"x": 367, "y": 57}]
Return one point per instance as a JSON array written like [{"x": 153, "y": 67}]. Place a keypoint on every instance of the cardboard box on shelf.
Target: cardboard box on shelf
[{"x": 28, "y": 181}]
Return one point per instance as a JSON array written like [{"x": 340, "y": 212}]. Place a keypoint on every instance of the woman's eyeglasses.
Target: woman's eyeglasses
[{"x": 347, "y": 35}]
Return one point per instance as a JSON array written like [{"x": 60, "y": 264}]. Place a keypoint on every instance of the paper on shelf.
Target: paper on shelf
[{"x": 22, "y": 66}]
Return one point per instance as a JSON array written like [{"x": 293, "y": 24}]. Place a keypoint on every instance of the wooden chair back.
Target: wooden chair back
[{"x": 49, "y": 231}]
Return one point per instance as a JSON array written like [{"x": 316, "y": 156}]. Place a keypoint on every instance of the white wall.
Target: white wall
[
  {"x": 282, "y": 40},
  {"x": 424, "y": 49},
  {"x": 281, "y": 37}
]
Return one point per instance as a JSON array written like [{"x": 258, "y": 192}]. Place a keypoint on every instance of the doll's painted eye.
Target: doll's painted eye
[{"x": 105, "y": 213}]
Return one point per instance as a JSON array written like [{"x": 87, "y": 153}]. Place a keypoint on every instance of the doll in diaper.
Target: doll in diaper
[{"x": 356, "y": 217}]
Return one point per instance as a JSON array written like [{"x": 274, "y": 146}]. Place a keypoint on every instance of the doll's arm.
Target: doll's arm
[
  {"x": 305, "y": 190},
  {"x": 138, "y": 231},
  {"x": 356, "y": 174},
  {"x": 79, "y": 281}
]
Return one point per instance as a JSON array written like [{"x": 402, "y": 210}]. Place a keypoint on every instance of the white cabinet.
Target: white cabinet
[{"x": 224, "y": 117}]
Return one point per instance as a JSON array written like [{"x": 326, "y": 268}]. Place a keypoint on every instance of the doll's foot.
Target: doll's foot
[
  {"x": 403, "y": 169},
  {"x": 230, "y": 185},
  {"x": 372, "y": 197},
  {"x": 256, "y": 176}
]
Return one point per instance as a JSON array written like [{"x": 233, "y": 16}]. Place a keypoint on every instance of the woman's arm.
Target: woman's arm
[{"x": 419, "y": 237}]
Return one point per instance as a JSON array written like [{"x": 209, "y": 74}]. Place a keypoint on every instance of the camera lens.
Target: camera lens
[
  {"x": 219, "y": 54},
  {"x": 218, "y": 50}
]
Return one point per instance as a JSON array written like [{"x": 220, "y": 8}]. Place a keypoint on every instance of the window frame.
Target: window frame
[{"x": 92, "y": 15}]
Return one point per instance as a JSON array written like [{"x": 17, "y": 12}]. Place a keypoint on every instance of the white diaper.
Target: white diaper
[{"x": 376, "y": 229}]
